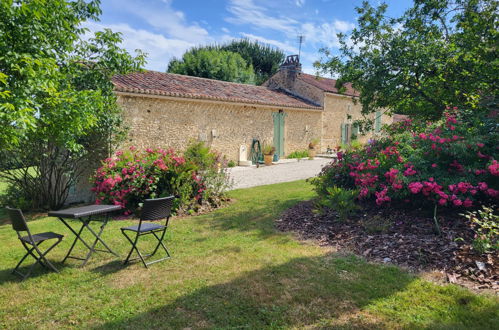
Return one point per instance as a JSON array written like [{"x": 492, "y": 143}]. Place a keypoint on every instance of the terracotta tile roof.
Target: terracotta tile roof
[
  {"x": 327, "y": 84},
  {"x": 168, "y": 84}
]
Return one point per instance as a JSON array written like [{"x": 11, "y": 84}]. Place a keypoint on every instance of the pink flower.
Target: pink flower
[
  {"x": 482, "y": 186},
  {"x": 442, "y": 201},
  {"x": 410, "y": 171},
  {"x": 415, "y": 187},
  {"x": 434, "y": 165},
  {"x": 457, "y": 202},
  {"x": 494, "y": 168},
  {"x": 480, "y": 145},
  {"x": 468, "y": 202},
  {"x": 492, "y": 193}
]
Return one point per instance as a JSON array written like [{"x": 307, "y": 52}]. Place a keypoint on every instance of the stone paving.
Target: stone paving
[{"x": 284, "y": 171}]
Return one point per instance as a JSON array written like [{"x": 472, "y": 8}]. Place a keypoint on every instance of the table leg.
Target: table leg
[
  {"x": 97, "y": 237},
  {"x": 91, "y": 248},
  {"x": 77, "y": 237}
]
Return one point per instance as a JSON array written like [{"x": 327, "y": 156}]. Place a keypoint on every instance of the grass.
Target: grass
[
  {"x": 298, "y": 154},
  {"x": 231, "y": 269}
]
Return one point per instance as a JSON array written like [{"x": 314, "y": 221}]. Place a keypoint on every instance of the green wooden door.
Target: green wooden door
[{"x": 279, "y": 132}]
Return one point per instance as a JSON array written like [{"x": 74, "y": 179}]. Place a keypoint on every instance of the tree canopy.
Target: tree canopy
[
  {"x": 214, "y": 64},
  {"x": 439, "y": 53},
  {"x": 56, "y": 96},
  {"x": 263, "y": 59}
]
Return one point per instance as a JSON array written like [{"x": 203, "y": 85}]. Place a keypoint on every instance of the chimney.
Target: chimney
[
  {"x": 288, "y": 72},
  {"x": 292, "y": 63}
]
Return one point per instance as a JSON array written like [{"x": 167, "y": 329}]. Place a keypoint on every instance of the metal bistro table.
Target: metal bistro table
[{"x": 86, "y": 214}]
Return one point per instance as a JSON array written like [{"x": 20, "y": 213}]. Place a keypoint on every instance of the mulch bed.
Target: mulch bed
[{"x": 400, "y": 236}]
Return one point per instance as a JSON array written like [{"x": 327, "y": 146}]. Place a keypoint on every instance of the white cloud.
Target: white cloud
[
  {"x": 225, "y": 30},
  {"x": 247, "y": 12},
  {"x": 159, "y": 48},
  {"x": 343, "y": 26},
  {"x": 259, "y": 17},
  {"x": 325, "y": 34},
  {"x": 164, "y": 19},
  {"x": 299, "y": 3},
  {"x": 281, "y": 45}
]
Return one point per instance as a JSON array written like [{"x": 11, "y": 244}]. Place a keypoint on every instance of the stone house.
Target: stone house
[{"x": 288, "y": 111}]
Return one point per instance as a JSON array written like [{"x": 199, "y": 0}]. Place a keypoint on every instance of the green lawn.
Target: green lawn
[{"x": 231, "y": 269}]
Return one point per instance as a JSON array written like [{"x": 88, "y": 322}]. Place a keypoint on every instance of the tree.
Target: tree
[
  {"x": 439, "y": 53},
  {"x": 214, "y": 64},
  {"x": 263, "y": 59},
  {"x": 57, "y": 106}
]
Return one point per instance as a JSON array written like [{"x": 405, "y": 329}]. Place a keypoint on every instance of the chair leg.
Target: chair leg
[
  {"x": 134, "y": 247},
  {"x": 42, "y": 255},
  {"x": 39, "y": 259},
  {"x": 160, "y": 242}
]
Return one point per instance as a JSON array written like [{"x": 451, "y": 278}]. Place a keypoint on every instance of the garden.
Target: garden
[
  {"x": 422, "y": 197},
  {"x": 401, "y": 232},
  {"x": 231, "y": 268}
]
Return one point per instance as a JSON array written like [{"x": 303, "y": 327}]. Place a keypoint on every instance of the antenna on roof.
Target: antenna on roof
[{"x": 301, "y": 39}]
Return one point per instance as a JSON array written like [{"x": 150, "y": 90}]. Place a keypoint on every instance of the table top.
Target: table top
[{"x": 84, "y": 211}]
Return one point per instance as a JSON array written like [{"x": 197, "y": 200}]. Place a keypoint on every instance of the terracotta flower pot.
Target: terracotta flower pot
[
  {"x": 267, "y": 159},
  {"x": 311, "y": 153}
]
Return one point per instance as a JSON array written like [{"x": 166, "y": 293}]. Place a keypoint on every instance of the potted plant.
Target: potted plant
[
  {"x": 311, "y": 148},
  {"x": 268, "y": 154}
]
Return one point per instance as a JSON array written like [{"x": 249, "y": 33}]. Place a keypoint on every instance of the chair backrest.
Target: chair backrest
[
  {"x": 157, "y": 208},
  {"x": 17, "y": 218}
]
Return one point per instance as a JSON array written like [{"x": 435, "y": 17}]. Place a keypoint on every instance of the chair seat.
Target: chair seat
[
  {"x": 41, "y": 237},
  {"x": 146, "y": 226}
]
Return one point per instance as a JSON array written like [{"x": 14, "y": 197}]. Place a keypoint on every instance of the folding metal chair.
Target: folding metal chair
[
  {"x": 31, "y": 243},
  {"x": 153, "y": 209}
]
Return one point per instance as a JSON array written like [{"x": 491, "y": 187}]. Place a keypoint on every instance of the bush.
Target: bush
[
  {"x": 132, "y": 176},
  {"x": 450, "y": 163},
  {"x": 340, "y": 200},
  {"x": 486, "y": 226},
  {"x": 298, "y": 154}
]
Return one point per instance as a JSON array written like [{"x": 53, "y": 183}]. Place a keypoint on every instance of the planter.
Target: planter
[
  {"x": 267, "y": 159},
  {"x": 311, "y": 153}
]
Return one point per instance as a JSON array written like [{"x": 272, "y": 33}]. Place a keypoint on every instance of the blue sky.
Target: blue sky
[{"x": 167, "y": 28}]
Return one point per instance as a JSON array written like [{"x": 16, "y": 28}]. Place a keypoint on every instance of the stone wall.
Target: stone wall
[
  {"x": 171, "y": 122},
  {"x": 339, "y": 109}
]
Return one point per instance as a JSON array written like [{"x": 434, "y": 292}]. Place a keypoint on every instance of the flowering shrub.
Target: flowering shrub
[
  {"x": 132, "y": 176},
  {"x": 451, "y": 163}
]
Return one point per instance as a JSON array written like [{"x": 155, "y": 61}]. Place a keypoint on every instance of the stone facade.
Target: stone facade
[{"x": 165, "y": 122}]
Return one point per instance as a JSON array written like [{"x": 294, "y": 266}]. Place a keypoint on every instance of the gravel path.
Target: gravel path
[{"x": 245, "y": 177}]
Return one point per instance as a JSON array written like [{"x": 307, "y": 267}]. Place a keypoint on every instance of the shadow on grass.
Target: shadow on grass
[
  {"x": 257, "y": 217},
  {"x": 110, "y": 267},
  {"x": 7, "y": 276},
  {"x": 327, "y": 291},
  {"x": 299, "y": 293}
]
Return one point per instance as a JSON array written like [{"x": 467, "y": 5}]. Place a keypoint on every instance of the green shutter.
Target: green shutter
[
  {"x": 343, "y": 133},
  {"x": 377, "y": 121}
]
